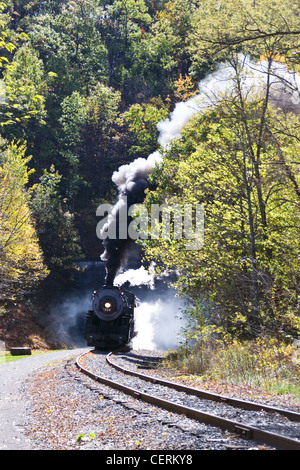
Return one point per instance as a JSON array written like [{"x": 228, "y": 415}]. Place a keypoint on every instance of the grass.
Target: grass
[{"x": 5, "y": 356}]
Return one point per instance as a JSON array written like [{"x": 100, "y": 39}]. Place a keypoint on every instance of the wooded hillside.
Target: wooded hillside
[{"x": 84, "y": 84}]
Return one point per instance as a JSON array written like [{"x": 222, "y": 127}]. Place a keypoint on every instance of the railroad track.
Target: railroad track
[{"x": 286, "y": 420}]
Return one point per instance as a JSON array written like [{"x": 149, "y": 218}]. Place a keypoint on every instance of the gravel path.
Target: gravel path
[{"x": 12, "y": 400}]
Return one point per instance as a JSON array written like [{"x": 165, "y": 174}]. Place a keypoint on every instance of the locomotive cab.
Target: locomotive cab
[{"x": 110, "y": 323}]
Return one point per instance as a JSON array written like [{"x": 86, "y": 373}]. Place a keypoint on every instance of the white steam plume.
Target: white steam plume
[
  {"x": 157, "y": 323},
  {"x": 137, "y": 277}
]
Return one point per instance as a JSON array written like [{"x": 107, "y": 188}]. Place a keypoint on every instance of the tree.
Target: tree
[
  {"x": 16, "y": 97},
  {"x": 24, "y": 106},
  {"x": 72, "y": 120},
  {"x": 86, "y": 141},
  {"x": 265, "y": 28},
  {"x": 141, "y": 121},
  {"x": 240, "y": 163},
  {"x": 122, "y": 26},
  {"x": 22, "y": 264},
  {"x": 69, "y": 44},
  {"x": 164, "y": 52},
  {"x": 55, "y": 225}
]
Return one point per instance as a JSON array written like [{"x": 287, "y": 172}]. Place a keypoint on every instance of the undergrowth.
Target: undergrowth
[{"x": 266, "y": 364}]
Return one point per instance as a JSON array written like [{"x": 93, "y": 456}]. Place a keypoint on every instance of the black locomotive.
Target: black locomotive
[{"x": 110, "y": 323}]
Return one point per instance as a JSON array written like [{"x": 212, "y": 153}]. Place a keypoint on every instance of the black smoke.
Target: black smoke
[
  {"x": 117, "y": 251},
  {"x": 120, "y": 252}
]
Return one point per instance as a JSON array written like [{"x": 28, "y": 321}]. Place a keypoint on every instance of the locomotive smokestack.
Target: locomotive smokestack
[
  {"x": 115, "y": 256},
  {"x": 111, "y": 271}
]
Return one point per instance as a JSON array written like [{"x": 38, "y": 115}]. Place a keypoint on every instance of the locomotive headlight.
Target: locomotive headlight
[{"x": 108, "y": 304}]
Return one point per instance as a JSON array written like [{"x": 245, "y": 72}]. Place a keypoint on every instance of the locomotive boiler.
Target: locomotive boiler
[{"x": 110, "y": 323}]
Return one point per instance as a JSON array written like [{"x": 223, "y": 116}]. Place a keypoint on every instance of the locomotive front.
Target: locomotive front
[{"x": 110, "y": 323}]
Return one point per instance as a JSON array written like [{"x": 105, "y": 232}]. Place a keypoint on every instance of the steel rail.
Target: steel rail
[
  {"x": 245, "y": 431},
  {"x": 236, "y": 402}
]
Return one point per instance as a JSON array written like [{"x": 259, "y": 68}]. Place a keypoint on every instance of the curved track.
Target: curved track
[{"x": 244, "y": 430}]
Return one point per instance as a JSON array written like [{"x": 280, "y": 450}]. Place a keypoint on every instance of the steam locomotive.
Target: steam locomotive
[{"x": 110, "y": 323}]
